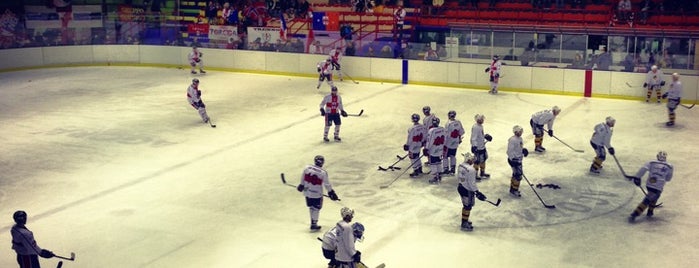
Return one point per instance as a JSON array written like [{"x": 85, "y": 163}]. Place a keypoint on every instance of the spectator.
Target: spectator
[
  {"x": 603, "y": 60},
  {"x": 316, "y": 48},
  {"x": 350, "y": 50},
  {"x": 212, "y": 12},
  {"x": 302, "y": 11},
  {"x": 578, "y": 61},
  {"x": 623, "y": 10},
  {"x": 629, "y": 62},
  {"x": 386, "y": 52},
  {"x": 399, "y": 17},
  {"x": 529, "y": 55},
  {"x": 431, "y": 54}
]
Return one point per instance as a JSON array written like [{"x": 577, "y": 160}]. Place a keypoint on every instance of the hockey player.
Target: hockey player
[
  {"x": 515, "y": 153},
  {"x": 195, "y": 59},
  {"x": 23, "y": 243},
  {"x": 454, "y": 132},
  {"x": 600, "y": 140},
  {"x": 335, "y": 56},
  {"x": 331, "y": 108},
  {"x": 654, "y": 81},
  {"x": 330, "y": 237},
  {"x": 659, "y": 173},
  {"x": 325, "y": 72},
  {"x": 417, "y": 135},
  {"x": 673, "y": 96},
  {"x": 194, "y": 99},
  {"x": 346, "y": 254},
  {"x": 313, "y": 179},
  {"x": 494, "y": 70},
  {"x": 434, "y": 149},
  {"x": 467, "y": 190},
  {"x": 539, "y": 119},
  {"x": 478, "y": 140},
  {"x": 427, "y": 121}
]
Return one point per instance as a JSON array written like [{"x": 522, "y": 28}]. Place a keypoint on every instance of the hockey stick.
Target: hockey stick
[
  {"x": 497, "y": 203},
  {"x": 393, "y": 167},
  {"x": 575, "y": 150},
  {"x": 284, "y": 181},
  {"x": 629, "y": 84},
  {"x": 211, "y": 123},
  {"x": 622, "y": 170},
  {"x": 72, "y": 257},
  {"x": 343, "y": 72},
  {"x": 417, "y": 160},
  {"x": 359, "y": 114},
  {"x": 537, "y": 194},
  {"x": 688, "y": 106}
]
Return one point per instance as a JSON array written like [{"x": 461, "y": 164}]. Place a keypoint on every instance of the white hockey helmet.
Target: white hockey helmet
[
  {"x": 468, "y": 157},
  {"x": 556, "y": 110},
  {"x": 662, "y": 156},
  {"x": 346, "y": 212},
  {"x": 654, "y": 67},
  {"x": 610, "y": 121},
  {"x": 675, "y": 76},
  {"x": 517, "y": 130}
]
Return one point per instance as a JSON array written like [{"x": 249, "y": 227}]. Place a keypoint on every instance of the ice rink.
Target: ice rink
[{"x": 113, "y": 164}]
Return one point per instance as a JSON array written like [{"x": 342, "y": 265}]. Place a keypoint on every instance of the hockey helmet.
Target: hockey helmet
[
  {"x": 451, "y": 114},
  {"x": 319, "y": 160},
  {"x": 662, "y": 156},
  {"x": 358, "y": 230},
  {"x": 329, "y": 59},
  {"x": 426, "y": 110},
  {"x": 496, "y": 57},
  {"x": 556, "y": 110},
  {"x": 654, "y": 67},
  {"x": 610, "y": 121},
  {"x": 517, "y": 130},
  {"x": 468, "y": 157},
  {"x": 675, "y": 76},
  {"x": 20, "y": 217},
  {"x": 333, "y": 88},
  {"x": 346, "y": 212},
  {"x": 435, "y": 122},
  {"x": 479, "y": 118},
  {"x": 195, "y": 81},
  {"x": 415, "y": 118}
]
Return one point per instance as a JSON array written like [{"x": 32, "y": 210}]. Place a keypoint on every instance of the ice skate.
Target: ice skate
[
  {"x": 202, "y": 71},
  {"x": 649, "y": 213},
  {"x": 337, "y": 138},
  {"x": 515, "y": 193},
  {"x": 540, "y": 149},
  {"x": 632, "y": 217},
  {"x": 194, "y": 72},
  {"x": 325, "y": 139},
  {"x": 315, "y": 227},
  {"x": 415, "y": 174},
  {"x": 485, "y": 175},
  {"x": 435, "y": 180},
  {"x": 594, "y": 170},
  {"x": 466, "y": 226},
  {"x": 670, "y": 123}
]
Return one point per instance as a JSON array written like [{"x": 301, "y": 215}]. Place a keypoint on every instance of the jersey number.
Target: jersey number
[
  {"x": 417, "y": 138},
  {"x": 312, "y": 179},
  {"x": 455, "y": 134},
  {"x": 438, "y": 141}
]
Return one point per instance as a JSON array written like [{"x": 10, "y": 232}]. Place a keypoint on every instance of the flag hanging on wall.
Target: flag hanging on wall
[
  {"x": 326, "y": 21},
  {"x": 282, "y": 28}
]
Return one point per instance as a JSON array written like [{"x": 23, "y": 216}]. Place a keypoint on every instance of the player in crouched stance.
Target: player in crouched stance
[
  {"x": 659, "y": 173},
  {"x": 331, "y": 108},
  {"x": 346, "y": 255},
  {"x": 330, "y": 237},
  {"x": 539, "y": 119},
  {"x": 194, "y": 99},
  {"x": 673, "y": 96},
  {"x": 468, "y": 190},
  {"x": 434, "y": 150},
  {"x": 417, "y": 135},
  {"x": 515, "y": 153},
  {"x": 313, "y": 179}
]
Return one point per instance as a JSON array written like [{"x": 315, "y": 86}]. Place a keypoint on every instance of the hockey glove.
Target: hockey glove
[
  {"x": 473, "y": 149},
  {"x": 645, "y": 85},
  {"x": 333, "y": 195},
  {"x": 300, "y": 188},
  {"x": 406, "y": 147},
  {"x": 425, "y": 152},
  {"x": 201, "y": 104},
  {"x": 665, "y": 95},
  {"x": 525, "y": 152},
  {"x": 637, "y": 181},
  {"x": 480, "y": 196},
  {"x": 46, "y": 254},
  {"x": 487, "y": 69},
  {"x": 322, "y": 112},
  {"x": 611, "y": 150},
  {"x": 343, "y": 113},
  {"x": 198, "y": 93},
  {"x": 488, "y": 137},
  {"x": 318, "y": 69},
  {"x": 662, "y": 83},
  {"x": 550, "y": 132},
  {"x": 357, "y": 257}
]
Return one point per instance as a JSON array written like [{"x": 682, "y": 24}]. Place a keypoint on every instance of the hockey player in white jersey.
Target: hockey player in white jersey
[
  {"x": 346, "y": 255},
  {"x": 325, "y": 72},
  {"x": 194, "y": 99},
  {"x": 454, "y": 132},
  {"x": 515, "y": 153},
  {"x": 494, "y": 71},
  {"x": 195, "y": 58},
  {"x": 313, "y": 179},
  {"x": 427, "y": 121},
  {"x": 659, "y": 173},
  {"x": 468, "y": 190},
  {"x": 417, "y": 135},
  {"x": 434, "y": 149},
  {"x": 335, "y": 57},
  {"x": 673, "y": 96},
  {"x": 601, "y": 142},
  {"x": 539, "y": 119},
  {"x": 654, "y": 81},
  {"x": 331, "y": 108},
  {"x": 329, "y": 240},
  {"x": 478, "y": 140}
]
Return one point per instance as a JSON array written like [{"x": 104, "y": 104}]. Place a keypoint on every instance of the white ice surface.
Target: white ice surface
[{"x": 113, "y": 164}]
